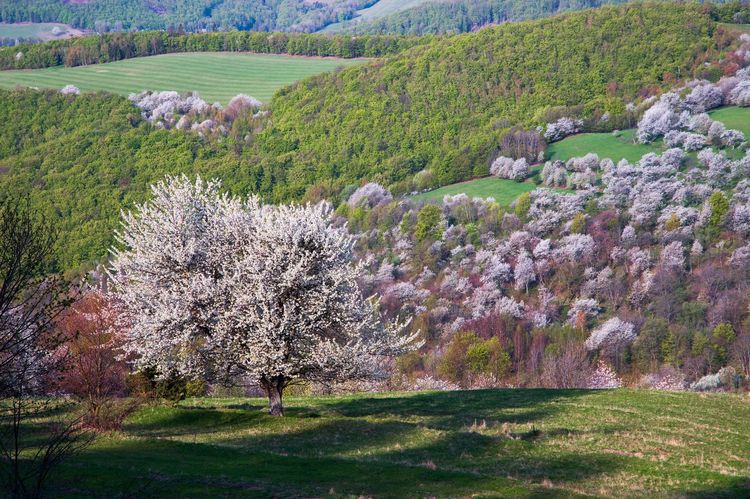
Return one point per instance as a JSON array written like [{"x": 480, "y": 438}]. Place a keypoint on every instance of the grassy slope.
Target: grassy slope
[
  {"x": 606, "y": 145},
  {"x": 504, "y": 191},
  {"x": 486, "y": 442},
  {"x": 439, "y": 106},
  {"x": 216, "y": 76},
  {"x": 624, "y": 146},
  {"x": 380, "y": 9},
  {"x": 734, "y": 117}
]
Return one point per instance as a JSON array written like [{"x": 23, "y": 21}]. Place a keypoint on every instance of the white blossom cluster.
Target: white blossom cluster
[
  {"x": 562, "y": 128},
  {"x": 673, "y": 113},
  {"x": 167, "y": 106},
  {"x": 70, "y": 90},
  {"x": 613, "y": 334},
  {"x": 213, "y": 285},
  {"x": 603, "y": 378},
  {"x": 665, "y": 379},
  {"x": 369, "y": 195},
  {"x": 509, "y": 168},
  {"x": 170, "y": 109}
]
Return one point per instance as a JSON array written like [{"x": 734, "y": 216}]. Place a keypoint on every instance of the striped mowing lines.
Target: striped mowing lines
[{"x": 217, "y": 76}]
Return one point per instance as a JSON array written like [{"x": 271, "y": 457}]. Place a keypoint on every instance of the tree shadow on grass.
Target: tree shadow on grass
[
  {"x": 736, "y": 488},
  {"x": 174, "y": 469},
  {"x": 458, "y": 408},
  {"x": 191, "y": 421}
]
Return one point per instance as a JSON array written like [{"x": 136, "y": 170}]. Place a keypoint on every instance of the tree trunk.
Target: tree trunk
[{"x": 274, "y": 388}]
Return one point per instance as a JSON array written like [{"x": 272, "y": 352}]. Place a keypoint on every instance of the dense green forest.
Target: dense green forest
[
  {"x": 115, "y": 47},
  {"x": 444, "y": 106},
  {"x": 80, "y": 160},
  {"x": 460, "y": 16},
  {"x": 192, "y": 15}
]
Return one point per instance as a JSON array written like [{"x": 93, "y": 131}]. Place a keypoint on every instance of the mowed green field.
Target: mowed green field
[
  {"x": 606, "y": 145},
  {"x": 486, "y": 443},
  {"x": 217, "y": 76},
  {"x": 504, "y": 191}
]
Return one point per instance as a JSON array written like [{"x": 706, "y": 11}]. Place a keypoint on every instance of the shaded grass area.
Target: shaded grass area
[
  {"x": 504, "y": 191},
  {"x": 521, "y": 443},
  {"x": 217, "y": 76}
]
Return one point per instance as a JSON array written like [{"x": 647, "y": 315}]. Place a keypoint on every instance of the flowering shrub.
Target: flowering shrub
[
  {"x": 511, "y": 169},
  {"x": 614, "y": 333},
  {"x": 603, "y": 378},
  {"x": 562, "y": 128},
  {"x": 70, "y": 90},
  {"x": 666, "y": 378},
  {"x": 369, "y": 195}
]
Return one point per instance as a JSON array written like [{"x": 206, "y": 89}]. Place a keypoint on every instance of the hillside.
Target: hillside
[
  {"x": 444, "y": 106},
  {"x": 80, "y": 160},
  {"x": 459, "y": 16},
  {"x": 217, "y": 76},
  {"x": 192, "y": 15},
  {"x": 521, "y": 443},
  {"x": 380, "y": 9}
]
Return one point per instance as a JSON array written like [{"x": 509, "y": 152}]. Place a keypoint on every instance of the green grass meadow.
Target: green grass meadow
[
  {"x": 733, "y": 117},
  {"x": 606, "y": 145},
  {"x": 504, "y": 191},
  {"x": 486, "y": 443},
  {"x": 624, "y": 145},
  {"x": 216, "y": 76}
]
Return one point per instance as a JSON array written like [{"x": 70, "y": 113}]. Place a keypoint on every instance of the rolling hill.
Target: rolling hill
[
  {"x": 510, "y": 443},
  {"x": 444, "y": 106},
  {"x": 192, "y": 15},
  {"x": 459, "y": 16}
]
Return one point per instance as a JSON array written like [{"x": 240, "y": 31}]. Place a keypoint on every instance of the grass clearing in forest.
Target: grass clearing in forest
[
  {"x": 503, "y": 190},
  {"x": 217, "y": 76},
  {"x": 606, "y": 145},
  {"x": 624, "y": 145},
  {"x": 520, "y": 443},
  {"x": 733, "y": 117}
]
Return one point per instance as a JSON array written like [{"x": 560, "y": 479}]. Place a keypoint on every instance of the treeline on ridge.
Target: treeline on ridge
[
  {"x": 118, "y": 46},
  {"x": 460, "y": 16}
]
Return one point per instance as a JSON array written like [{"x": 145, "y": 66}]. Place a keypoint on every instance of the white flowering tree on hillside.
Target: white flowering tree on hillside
[
  {"x": 167, "y": 275},
  {"x": 295, "y": 311},
  {"x": 212, "y": 286}
]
